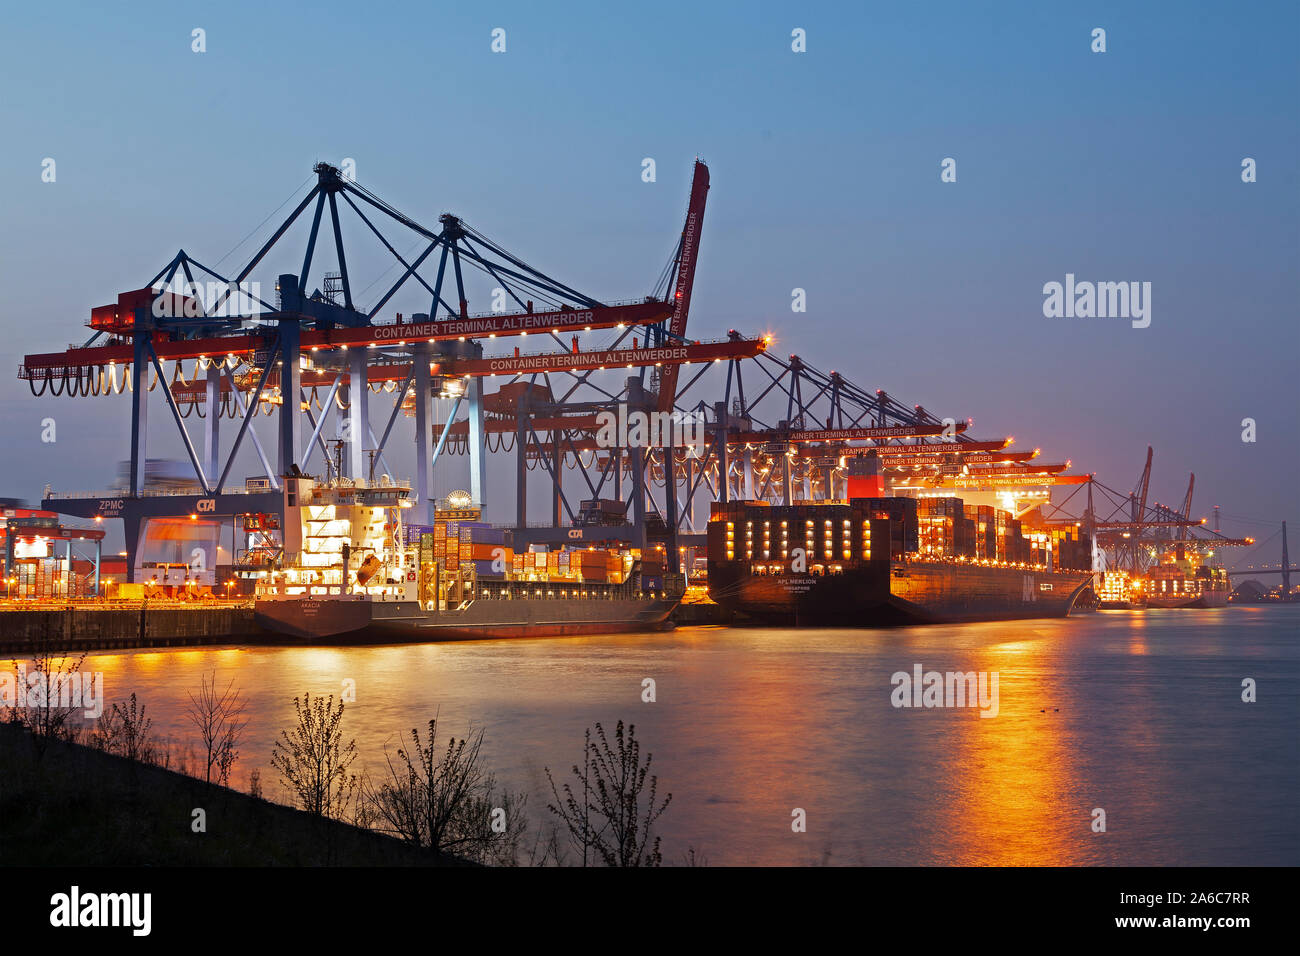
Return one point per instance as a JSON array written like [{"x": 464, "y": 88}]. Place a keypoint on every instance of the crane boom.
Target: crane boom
[
  {"x": 1187, "y": 502},
  {"x": 687, "y": 256},
  {"x": 1144, "y": 483}
]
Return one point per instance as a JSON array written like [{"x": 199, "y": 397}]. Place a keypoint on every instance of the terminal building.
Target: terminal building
[{"x": 44, "y": 560}]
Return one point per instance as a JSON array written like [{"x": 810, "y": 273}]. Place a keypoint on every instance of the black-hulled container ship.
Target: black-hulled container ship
[
  {"x": 882, "y": 561},
  {"x": 346, "y": 568}
]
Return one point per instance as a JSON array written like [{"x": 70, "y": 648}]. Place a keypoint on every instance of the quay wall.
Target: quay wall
[
  {"x": 89, "y": 628},
  {"x": 77, "y": 628}
]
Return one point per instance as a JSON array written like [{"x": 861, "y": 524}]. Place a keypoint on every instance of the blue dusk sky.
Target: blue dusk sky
[{"x": 1117, "y": 166}]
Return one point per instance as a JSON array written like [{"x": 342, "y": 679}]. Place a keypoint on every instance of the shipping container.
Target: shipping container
[
  {"x": 487, "y": 552},
  {"x": 487, "y": 570}
]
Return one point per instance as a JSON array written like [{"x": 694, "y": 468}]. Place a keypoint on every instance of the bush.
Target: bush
[
  {"x": 445, "y": 801},
  {"x": 218, "y": 717},
  {"x": 607, "y": 822},
  {"x": 313, "y": 761},
  {"x": 125, "y": 730}
]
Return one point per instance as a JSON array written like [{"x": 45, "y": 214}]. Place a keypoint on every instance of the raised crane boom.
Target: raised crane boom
[
  {"x": 1187, "y": 504},
  {"x": 687, "y": 256},
  {"x": 1144, "y": 484}
]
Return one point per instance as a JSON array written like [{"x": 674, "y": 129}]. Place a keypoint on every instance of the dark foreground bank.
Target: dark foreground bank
[{"x": 75, "y": 806}]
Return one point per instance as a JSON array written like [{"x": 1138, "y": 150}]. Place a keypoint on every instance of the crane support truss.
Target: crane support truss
[{"x": 735, "y": 420}]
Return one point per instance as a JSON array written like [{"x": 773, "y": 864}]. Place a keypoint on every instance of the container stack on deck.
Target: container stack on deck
[
  {"x": 485, "y": 552},
  {"x": 475, "y": 551},
  {"x": 943, "y": 527},
  {"x": 1071, "y": 549},
  {"x": 904, "y": 528}
]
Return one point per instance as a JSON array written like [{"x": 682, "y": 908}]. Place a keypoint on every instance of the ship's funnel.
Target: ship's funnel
[{"x": 865, "y": 477}]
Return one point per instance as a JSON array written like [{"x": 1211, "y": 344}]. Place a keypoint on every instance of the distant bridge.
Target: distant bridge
[{"x": 1254, "y": 571}]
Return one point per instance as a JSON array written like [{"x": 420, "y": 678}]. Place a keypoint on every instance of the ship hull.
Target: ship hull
[
  {"x": 345, "y": 620},
  {"x": 898, "y": 594},
  {"x": 1207, "y": 599}
]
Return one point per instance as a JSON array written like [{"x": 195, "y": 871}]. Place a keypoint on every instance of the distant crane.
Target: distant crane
[
  {"x": 1187, "y": 506},
  {"x": 1151, "y": 527}
]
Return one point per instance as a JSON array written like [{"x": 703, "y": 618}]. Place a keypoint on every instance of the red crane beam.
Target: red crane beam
[
  {"x": 519, "y": 364},
  {"x": 670, "y": 355},
  {"x": 928, "y": 461},
  {"x": 995, "y": 470},
  {"x": 974, "y": 482},
  {"x": 490, "y": 326},
  {"x": 1126, "y": 525}
]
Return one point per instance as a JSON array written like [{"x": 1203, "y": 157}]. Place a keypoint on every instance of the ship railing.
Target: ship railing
[
  {"x": 527, "y": 590},
  {"x": 383, "y": 481},
  {"x": 147, "y": 493},
  {"x": 386, "y": 482}
]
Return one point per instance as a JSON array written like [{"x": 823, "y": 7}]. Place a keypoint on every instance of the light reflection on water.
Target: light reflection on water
[{"x": 1137, "y": 713}]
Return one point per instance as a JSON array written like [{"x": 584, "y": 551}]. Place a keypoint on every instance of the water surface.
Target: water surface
[{"x": 1137, "y": 713}]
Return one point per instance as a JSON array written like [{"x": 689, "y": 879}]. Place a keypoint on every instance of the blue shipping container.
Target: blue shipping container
[{"x": 486, "y": 569}]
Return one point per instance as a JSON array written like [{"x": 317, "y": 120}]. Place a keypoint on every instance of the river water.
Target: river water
[{"x": 1138, "y": 714}]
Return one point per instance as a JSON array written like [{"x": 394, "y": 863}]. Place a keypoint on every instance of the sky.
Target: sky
[{"x": 1123, "y": 165}]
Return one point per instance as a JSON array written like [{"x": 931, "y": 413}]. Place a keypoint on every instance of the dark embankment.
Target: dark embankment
[{"x": 76, "y": 806}]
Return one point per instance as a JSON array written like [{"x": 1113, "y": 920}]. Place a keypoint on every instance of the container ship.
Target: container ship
[
  {"x": 1120, "y": 591},
  {"x": 1182, "y": 578},
  {"x": 873, "y": 561},
  {"x": 346, "y": 568},
  {"x": 1185, "y": 579}
]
